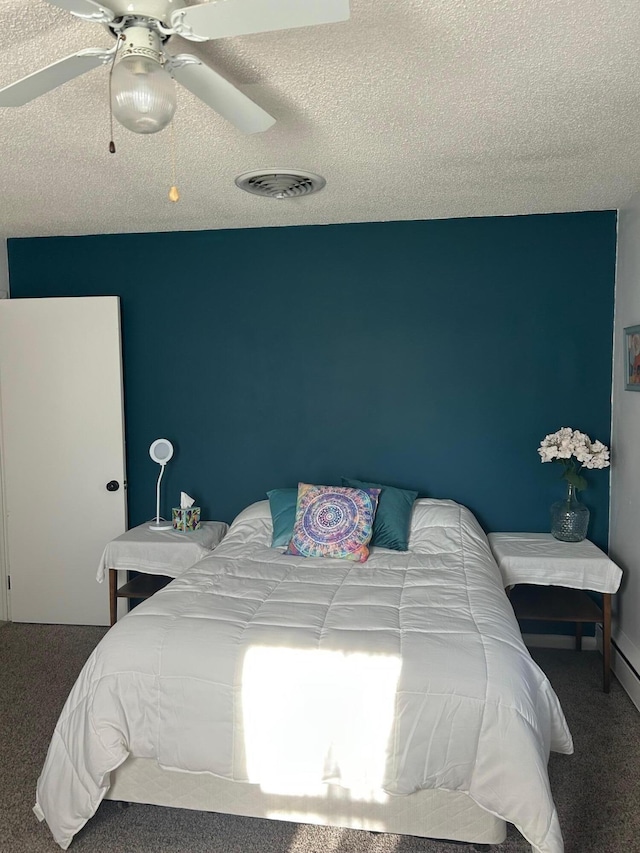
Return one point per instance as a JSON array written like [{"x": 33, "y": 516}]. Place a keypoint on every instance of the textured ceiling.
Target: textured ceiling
[{"x": 412, "y": 109}]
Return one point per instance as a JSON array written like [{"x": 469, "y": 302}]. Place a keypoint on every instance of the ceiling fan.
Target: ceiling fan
[{"x": 143, "y": 97}]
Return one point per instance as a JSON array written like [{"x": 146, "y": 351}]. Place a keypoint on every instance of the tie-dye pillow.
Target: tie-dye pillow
[{"x": 333, "y": 521}]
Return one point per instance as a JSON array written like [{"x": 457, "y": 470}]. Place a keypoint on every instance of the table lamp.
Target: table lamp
[{"x": 161, "y": 452}]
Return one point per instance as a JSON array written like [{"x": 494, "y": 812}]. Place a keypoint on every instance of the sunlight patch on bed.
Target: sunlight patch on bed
[{"x": 312, "y": 717}]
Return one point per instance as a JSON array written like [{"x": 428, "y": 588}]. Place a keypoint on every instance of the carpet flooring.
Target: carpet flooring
[{"x": 596, "y": 790}]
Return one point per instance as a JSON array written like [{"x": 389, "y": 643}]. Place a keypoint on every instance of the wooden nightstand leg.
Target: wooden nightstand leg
[
  {"x": 606, "y": 641},
  {"x": 113, "y": 601},
  {"x": 578, "y": 636}
]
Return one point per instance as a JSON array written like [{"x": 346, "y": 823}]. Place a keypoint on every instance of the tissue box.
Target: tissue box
[{"x": 186, "y": 520}]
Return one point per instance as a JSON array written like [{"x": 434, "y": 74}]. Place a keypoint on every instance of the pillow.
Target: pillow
[
  {"x": 282, "y": 503},
  {"x": 393, "y": 518},
  {"x": 332, "y": 521},
  {"x": 432, "y": 515}
]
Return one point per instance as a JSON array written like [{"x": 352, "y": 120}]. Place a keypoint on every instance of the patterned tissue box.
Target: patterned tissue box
[{"x": 186, "y": 520}]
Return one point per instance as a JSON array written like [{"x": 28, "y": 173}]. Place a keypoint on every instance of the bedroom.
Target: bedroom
[{"x": 441, "y": 336}]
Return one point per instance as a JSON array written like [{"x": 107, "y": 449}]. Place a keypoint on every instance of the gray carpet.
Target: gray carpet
[{"x": 596, "y": 790}]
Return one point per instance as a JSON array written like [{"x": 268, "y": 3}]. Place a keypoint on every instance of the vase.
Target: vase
[{"x": 569, "y": 518}]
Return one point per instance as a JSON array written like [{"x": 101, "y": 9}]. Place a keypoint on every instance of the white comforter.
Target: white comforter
[{"x": 404, "y": 672}]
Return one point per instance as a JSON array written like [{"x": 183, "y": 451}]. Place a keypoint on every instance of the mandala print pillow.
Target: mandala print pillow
[{"x": 333, "y": 521}]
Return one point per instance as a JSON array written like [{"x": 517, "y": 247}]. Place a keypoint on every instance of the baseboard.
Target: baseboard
[
  {"x": 624, "y": 672},
  {"x": 558, "y": 641}
]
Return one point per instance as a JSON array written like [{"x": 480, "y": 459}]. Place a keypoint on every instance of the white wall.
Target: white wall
[
  {"x": 4, "y": 293},
  {"x": 624, "y": 532}
]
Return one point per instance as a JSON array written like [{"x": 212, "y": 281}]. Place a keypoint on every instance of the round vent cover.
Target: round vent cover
[{"x": 280, "y": 183}]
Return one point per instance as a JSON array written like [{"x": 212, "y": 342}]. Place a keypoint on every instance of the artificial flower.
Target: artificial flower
[{"x": 575, "y": 451}]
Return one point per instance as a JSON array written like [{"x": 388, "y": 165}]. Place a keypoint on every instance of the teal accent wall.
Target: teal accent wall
[{"x": 433, "y": 355}]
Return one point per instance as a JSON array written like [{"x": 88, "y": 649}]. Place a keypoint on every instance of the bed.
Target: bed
[{"x": 393, "y": 695}]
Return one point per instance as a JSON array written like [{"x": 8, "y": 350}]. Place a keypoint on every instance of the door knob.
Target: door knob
[{"x": 113, "y": 486}]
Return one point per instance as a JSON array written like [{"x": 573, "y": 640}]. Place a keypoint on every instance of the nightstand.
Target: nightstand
[
  {"x": 560, "y": 573},
  {"x": 159, "y": 556}
]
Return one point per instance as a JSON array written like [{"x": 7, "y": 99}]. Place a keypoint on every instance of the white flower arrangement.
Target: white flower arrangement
[{"x": 575, "y": 451}]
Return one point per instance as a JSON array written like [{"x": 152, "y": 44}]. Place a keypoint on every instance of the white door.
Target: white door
[{"x": 62, "y": 442}]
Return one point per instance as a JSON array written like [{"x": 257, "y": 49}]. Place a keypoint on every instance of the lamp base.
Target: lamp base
[{"x": 161, "y": 525}]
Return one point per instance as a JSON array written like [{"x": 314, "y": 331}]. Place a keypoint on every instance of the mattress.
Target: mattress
[{"x": 404, "y": 673}]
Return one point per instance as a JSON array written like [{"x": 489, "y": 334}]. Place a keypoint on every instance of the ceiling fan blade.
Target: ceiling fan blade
[
  {"x": 89, "y": 10},
  {"x": 36, "y": 84},
  {"x": 243, "y": 17},
  {"x": 218, "y": 93}
]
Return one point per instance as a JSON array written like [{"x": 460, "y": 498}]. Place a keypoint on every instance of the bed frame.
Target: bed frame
[{"x": 434, "y": 814}]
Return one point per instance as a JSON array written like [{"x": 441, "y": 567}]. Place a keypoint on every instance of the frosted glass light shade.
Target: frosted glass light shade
[{"x": 143, "y": 95}]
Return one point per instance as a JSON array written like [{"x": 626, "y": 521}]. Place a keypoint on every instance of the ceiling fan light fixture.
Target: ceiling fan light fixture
[{"x": 143, "y": 94}]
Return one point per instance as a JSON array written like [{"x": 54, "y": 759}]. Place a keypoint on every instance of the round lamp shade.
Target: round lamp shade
[
  {"x": 161, "y": 451},
  {"x": 143, "y": 94}
]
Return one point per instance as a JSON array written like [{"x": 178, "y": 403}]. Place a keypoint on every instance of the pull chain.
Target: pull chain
[
  {"x": 112, "y": 145},
  {"x": 174, "y": 195}
]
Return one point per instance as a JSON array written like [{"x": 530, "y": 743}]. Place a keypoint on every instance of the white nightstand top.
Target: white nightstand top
[
  {"x": 160, "y": 552},
  {"x": 538, "y": 558}
]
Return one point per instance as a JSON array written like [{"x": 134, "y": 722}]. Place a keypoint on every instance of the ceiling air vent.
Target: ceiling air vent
[{"x": 280, "y": 183}]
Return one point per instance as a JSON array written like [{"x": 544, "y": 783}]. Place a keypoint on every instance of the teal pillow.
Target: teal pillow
[
  {"x": 282, "y": 503},
  {"x": 393, "y": 518}
]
